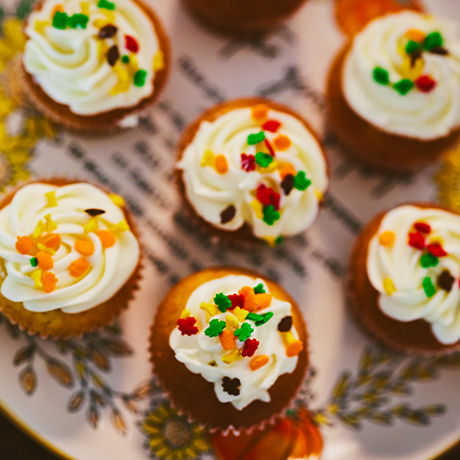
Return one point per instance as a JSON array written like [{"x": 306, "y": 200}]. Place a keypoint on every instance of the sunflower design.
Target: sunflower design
[
  {"x": 448, "y": 180},
  {"x": 20, "y": 127},
  {"x": 172, "y": 437}
]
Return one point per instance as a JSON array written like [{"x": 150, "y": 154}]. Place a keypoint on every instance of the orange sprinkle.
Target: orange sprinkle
[
  {"x": 107, "y": 238},
  {"x": 415, "y": 34},
  {"x": 78, "y": 267},
  {"x": 84, "y": 247},
  {"x": 260, "y": 112},
  {"x": 49, "y": 281},
  {"x": 285, "y": 169},
  {"x": 221, "y": 164},
  {"x": 258, "y": 361},
  {"x": 24, "y": 244},
  {"x": 227, "y": 340},
  {"x": 45, "y": 261},
  {"x": 250, "y": 302},
  {"x": 387, "y": 238},
  {"x": 294, "y": 348},
  {"x": 282, "y": 142},
  {"x": 263, "y": 300},
  {"x": 56, "y": 9},
  {"x": 52, "y": 240}
]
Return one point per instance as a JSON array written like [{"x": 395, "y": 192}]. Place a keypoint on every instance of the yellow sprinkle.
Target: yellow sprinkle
[
  {"x": 99, "y": 23},
  {"x": 117, "y": 200},
  {"x": 389, "y": 286},
  {"x": 231, "y": 356},
  {"x": 437, "y": 239},
  {"x": 119, "y": 87},
  {"x": 84, "y": 8},
  {"x": 44, "y": 248},
  {"x": 90, "y": 226},
  {"x": 133, "y": 62},
  {"x": 122, "y": 226},
  {"x": 50, "y": 225},
  {"x": 270, "y": 240},
  {"x": 185, "y": 313},
  {"x": 209, "y": 308},
  {"x": 240, "y": 314},
  {"x": 51, "y": 200},
  {"x": 207, "y": 159},
  {"x": 387, "y": 238},
  {"x": 409, "y": 71},
  {"x": 256, "y": 205},
  {"x": 110, "y": 15},
  {"x": 232, "y": 321},
  {"x": 101, "y": 49},
  {"x": 121, "y": 72},
  {"x": 319, "y": 194},
  {"x": 273, "y": 166},
  {"x": 158, "y": 61},
  {"x": 38, "y": 229},
  {"x": 36, "y": 275},
  {"x": 41, "y": 25}
]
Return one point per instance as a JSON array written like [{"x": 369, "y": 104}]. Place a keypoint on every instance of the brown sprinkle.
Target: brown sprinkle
[
  {"x": 107, "y": 31},
  {"x": 94, "y": 212},
  {"x": 113, "y": 55},
  {"x": 227, "y": 214},
  {"x": 285, "y": 324},
  {"x": 287, "y": 184}
]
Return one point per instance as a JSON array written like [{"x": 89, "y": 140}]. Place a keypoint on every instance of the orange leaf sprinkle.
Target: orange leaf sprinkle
[
  {"x": 259, "y": 112},
  {"x": 84, "y": 247},
  {"x": 52, "y": 240},
  {"x": 263, "y": 300},
  {"x": 78, "y": 267},
  {"x": 387, "y": 238},
  {"x": 221, "y": 164},
  {"x": 49, "y": 281},
  {"x": 107, "y": 238},
  {"x": 227, "y": 340},
  {"x": 24, "y": 244},
  {"x": 258, "y": 361},
  {"x": 293, "y": 346},
  {"x": 416, "y": 35},
  {"x": 285, "y": 169},
  {"x": 282, "y": 142},
  {"x": 45, "y": 261},
  {"x": 57, "y": 8},
  {"x": 250, "y": 302}
]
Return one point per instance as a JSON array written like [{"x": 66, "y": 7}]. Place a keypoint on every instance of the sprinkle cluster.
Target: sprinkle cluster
[
  {"x": 421, "y": 238},
  {"x": 266, "y": 204},
  {"x": 242, "y": 316},
  {"x": 45, "y": 242},
  {"x": 412, "y": 46}
]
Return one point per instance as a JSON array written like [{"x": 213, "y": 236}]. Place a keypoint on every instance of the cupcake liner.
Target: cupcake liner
[
  {"x": 164, "y": 365},
  {"x": 57, "y": 324},
  {"x": 242, "y": 237},
  {"x": 414, "y": 337},
  {"x": 104, "y": 122},
  {"x": 370, "y": 144}
]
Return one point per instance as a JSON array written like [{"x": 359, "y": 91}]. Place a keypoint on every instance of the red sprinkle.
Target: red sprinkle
[
  {"x": 269, "y": 147},
  {"x": 271, "y": 125},
  {"x": 425, "y": 83},
  {"x": 416, "y": 240},
  {"x": 267, "y": 196},
  {"x": 187, "y": 325},
  {"x": 250, "y": 347},
  {"x": 131, "y": 44},
  {"x": 248, "y": 162},
  {"x": 422, "y": 227},
  {"x": 436, "y": 250},
  {"x": 237, "y": 301}
]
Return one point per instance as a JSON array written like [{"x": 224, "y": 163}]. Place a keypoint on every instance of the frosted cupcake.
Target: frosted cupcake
[
  {"x": 405, "y": 281},
  {"x": 69, "y": 258},
  {"x": 394, "y": 91},
  {"x": 251, "y": 168},
  {"x": 229, "y": 347},
  {"x": 94, "y": 65}
]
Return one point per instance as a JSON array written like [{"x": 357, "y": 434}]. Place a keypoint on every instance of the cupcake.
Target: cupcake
[
  {"x": 242, "y": 16},
  {"x": 251, "y": 168},
  {"x": 230, "y": 348},
  {"x": 94, "y": 65},
  {"x": 405, "y": 278},
  {"x": 394, "y": 91},
  {"x": 69, "y": 258}
]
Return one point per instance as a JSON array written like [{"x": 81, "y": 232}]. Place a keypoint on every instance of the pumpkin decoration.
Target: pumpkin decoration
[{"x": 292, "y": 437}]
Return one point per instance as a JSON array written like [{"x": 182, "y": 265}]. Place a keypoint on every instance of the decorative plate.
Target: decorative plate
[{"x": 94, "y": 397}]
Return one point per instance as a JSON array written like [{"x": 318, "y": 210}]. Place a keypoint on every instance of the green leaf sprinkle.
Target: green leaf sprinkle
[
  {"x": 266, "y": 317},
  {"x": 244, "y": 332},
  {"x": 222, "y": 301},
  {"x": 106, "y": 5},
  {"x": 60, "y": 20},
  {"x": 263, "y": 159},
  {"x": 271, "y": 215},
  {"x": 428, "y": 260},
  {"x": 428, "y": 287},
  {"x": 412, "y": 46},
  {"x": 380, "y": 75},
  {"x": 403, "y": 86},
  {"x": 139, "y": 77},
  {"x": 433, "y": 40},
  {"x": 301, "y": 182},
  {"x": 77, "y": 21},
  {"x": 259, "y": 289},
  {"x": 254, "y": 139},
  {"x": 215, "y": 328}
]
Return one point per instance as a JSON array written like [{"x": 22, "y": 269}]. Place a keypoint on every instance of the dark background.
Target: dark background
[{"x": 15, "y": 445}]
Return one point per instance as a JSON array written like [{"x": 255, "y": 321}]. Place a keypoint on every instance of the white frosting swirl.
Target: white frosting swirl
[
  {"x": 71, "y": 66},
  {"x": 210, "y": 192},
  {"x": 198, "y": 351},
  {"x": 417, "y": 114},
  {"x": 401, "y": 264},
  {"x": 108, "y": 269}
]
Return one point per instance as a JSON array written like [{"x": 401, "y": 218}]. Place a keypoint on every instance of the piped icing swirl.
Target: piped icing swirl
[
  {"x": 402, "y": 74},
  {"x": 64, "y": 248},
  {"x": 93, "y": 56},
  {"x": 414, "y": 263},
  {"x": 235, "y": 334},
  {"x": 258, "y": 166}
]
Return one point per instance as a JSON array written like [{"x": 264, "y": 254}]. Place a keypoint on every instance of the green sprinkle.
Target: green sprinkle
[
  {"x": 106, "y": 5},
  {"x": 380, "y": 75},
  {"x": 139, "y": 77},
  {"x": 428, "y": 287},
  {"x": 263, "y": 159},
  {"x": 279, "y": 240},
  {"x": 266, "y": 317},
  {"x": 259, "y": 289},
  {"x": 222, "y": 302},
  {"x": 433, "y": 40},
  {"x": 215, "y": 328},
  {"x": 403, "y": 86},
  {"x": 244, "y": 332},
  {"x": 271, "y": 215},
  {"x": 254, "y": 139},
  {"x": 412, "y": 46},
  {"x": 78, "y": 21},
  {"x": 125, "y": 59},
  {"x": 429, "y": 260},
  {"x": 301, "y": 182},
  {"x": 60, "y": 20},
  {"x": 254, "y": 317},
  {"x": 33, "y": 261}
]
